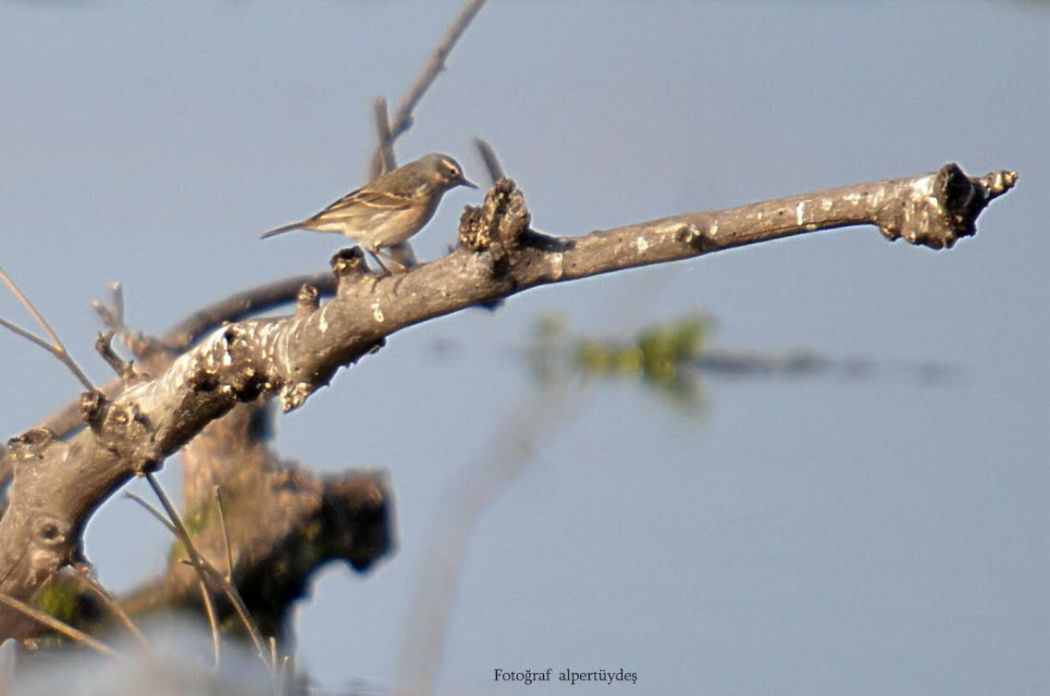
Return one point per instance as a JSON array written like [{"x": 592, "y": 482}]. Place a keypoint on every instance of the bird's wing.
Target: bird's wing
[{"x": 368, "y": 198}]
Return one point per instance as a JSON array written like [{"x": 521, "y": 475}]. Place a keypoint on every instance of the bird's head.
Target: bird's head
[{"x": 446, "y": 171}]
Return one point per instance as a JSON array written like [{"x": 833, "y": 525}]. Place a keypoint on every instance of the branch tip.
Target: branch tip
[
  {"x": 30, "y": 444},
  {"x": 124, "y": 369},
  {"x": 93, "y": 408},
  {"x": 490, "y": 159},
  {"x": 939, "y": 209}
]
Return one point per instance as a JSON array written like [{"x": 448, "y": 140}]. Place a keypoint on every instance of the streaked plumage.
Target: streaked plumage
[{"x": 390, "y": 209}]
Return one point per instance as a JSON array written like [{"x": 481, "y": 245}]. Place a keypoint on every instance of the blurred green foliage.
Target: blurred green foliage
[{"x": 661, "y": 358}]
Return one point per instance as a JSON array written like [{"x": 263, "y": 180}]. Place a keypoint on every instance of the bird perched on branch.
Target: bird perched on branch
[{"x": 390, "y": 209}]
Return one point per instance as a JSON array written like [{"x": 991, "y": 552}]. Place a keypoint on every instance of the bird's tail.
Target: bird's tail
[{"x": 281, "y": 230}]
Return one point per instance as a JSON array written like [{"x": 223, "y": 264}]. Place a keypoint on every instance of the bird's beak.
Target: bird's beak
[{"x": 463, "y": 181}]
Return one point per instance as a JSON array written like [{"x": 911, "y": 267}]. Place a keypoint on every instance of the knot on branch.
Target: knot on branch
[
  {"x": 498, "y": 224},
  {"x": 51, "y": 532},
  {"x": 943, "y": 207},
  {"x": 308, "y": 300},
  {"x": 347, "y": 264},
  {"x": 294, "y": 395},
  {"x": 236, "y": 374},
  {"x": 122, "y": 429},
  {"x": 93, "y": 408},
  {"x": 30, "y": 445}
]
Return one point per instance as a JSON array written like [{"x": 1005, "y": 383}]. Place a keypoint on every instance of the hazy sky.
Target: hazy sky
[{"x": 819, "y": 536}]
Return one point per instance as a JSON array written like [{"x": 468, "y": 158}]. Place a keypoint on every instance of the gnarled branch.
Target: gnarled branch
[{"x": 57, "y": 485}]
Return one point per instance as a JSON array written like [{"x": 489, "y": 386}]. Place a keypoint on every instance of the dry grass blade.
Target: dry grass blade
[
  {"x": 114, "y": 607},
  {"x": 204, "y": 566},
  {"x": 213, "y": 622},
  {"x": 282, "y": 676},
  {"x": 33, "y": 311},
  {"x": 209, "y": 607},
  {"x": 59, "y": 626},
  {"x": 153, "y": 511},
  {"x": 56, "y": 347},
  {"x": 225, "y": 534},
  {"x": 273, "y": 661}
]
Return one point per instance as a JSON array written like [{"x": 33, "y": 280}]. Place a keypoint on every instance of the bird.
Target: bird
[{"x": 389, "y": 209}]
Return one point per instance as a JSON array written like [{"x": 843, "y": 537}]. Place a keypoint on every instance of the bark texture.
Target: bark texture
[{"x": 210, "y": 396}]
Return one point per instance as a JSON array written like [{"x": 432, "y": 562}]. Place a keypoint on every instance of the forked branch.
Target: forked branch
[
  {"x": 291, "y": 357},
  {"x": 390, "y": 131}
]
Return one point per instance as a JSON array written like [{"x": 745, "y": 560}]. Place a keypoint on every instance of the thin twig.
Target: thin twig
[
  {"x": 225, "y": 534},
  {"x": 153, "y": 511},
  {"x": 116, "y": 291},
  {"x": 33, "y": 311},
  {"x": 488, "y": 156},
  {"x": 403, "y": 118},
  {"x": 183, "y": 535},
  {"x": 105, "y": 313},
  {"x": 386, "y": 161},
  {"x": 187, "y": 331},
  {"x": 273, "y": 662},
  {"x": 209, "y": 607},
  {"x": 282, "y": 676},
  {"x": 56, "y": 348},
  {"x": 203, "y": 564},
  {"x": 112, "y": 314},
  {"x": 213, "y": 621},
  {"x": 59, "y": 626},
  {"x": 28, "y": 335},
  {"x": 85, "y": 576},
  {"x": 124, "y": 369},
  {"x": 239, "y": 607}
]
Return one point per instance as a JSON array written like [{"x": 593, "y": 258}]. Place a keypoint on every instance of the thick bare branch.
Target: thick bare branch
[
  {"x": 241, "y": 305},
  {"x": 189, "y": 330},
  {"x": 284, "y": 526},
  {"x": 292, "y": 357},
  {"x": 255, "y": 300}
]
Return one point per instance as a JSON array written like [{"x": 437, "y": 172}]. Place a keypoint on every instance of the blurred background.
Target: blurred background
[{"x": 869, "y": 531}]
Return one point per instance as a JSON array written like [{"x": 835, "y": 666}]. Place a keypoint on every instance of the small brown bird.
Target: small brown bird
[{"x": 390, "y": 209}]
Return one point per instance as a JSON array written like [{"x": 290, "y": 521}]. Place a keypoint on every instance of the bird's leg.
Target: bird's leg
[
  {"x": 376, "y": 253},
  {"x": 402, "y": 272},
  {"x": 375, "y": 257}
]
